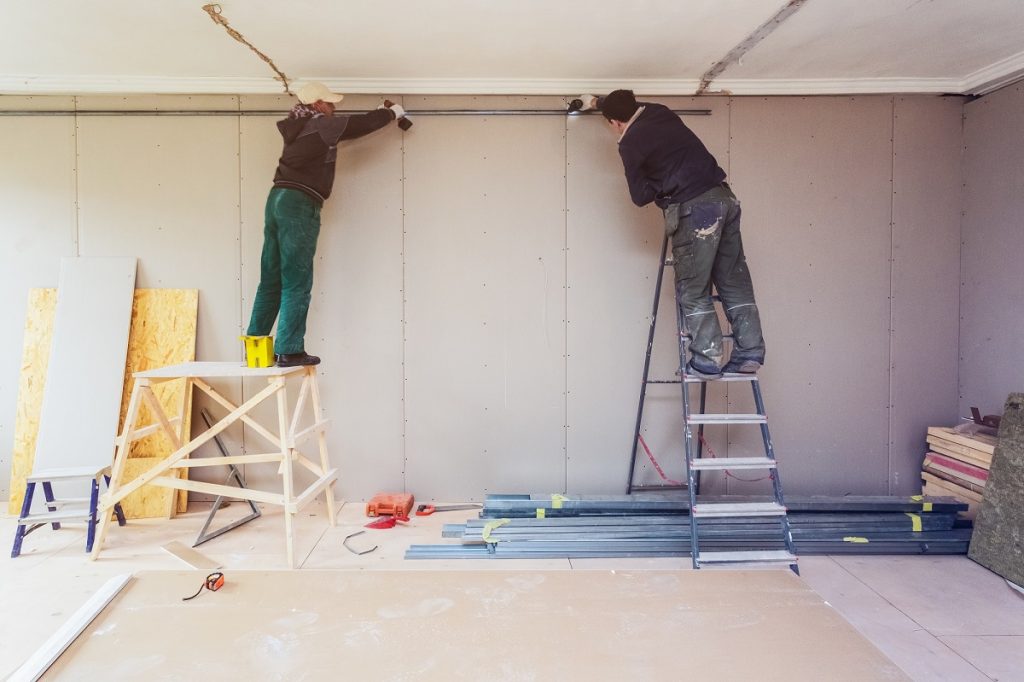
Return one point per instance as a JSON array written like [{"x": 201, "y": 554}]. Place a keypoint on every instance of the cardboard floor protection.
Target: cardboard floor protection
[{"x": 474, "y": 625}]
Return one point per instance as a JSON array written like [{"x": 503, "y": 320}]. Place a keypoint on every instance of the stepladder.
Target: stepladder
[
  {"x": 710, "y": 517},
  {"x": 297, "y": 429}
]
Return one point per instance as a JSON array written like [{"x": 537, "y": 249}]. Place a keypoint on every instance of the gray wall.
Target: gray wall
[
  {"x": 992, "y": 271},
  {"x": 483, "y": 283}
]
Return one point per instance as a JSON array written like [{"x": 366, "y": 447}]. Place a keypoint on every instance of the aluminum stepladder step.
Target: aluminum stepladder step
[{"x": 695, "y": 464}]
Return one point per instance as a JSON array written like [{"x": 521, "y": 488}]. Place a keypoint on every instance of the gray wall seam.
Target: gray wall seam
[
  {"x": 892, "y": 292},
  {"x": 405, "y": 376},
  {"x": 565, "y": 305},
  {"x": 960, "y": 247},
  {"x": 76, "y": 236}
]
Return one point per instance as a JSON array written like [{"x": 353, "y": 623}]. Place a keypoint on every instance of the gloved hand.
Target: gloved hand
[
  {"x": 589, "y": 102},
  {"x": 396, "y": 109}
]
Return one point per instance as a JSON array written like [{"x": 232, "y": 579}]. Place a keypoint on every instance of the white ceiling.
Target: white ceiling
[{"x": 512, "y": 46}]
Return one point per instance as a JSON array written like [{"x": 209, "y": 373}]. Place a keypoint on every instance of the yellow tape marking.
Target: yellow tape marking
[
  {"x": 855, "y": 539},
  {"x": 540, "y": 512},
  {"x": 916, "y": 521},
  {"x": 557, "y": 500},
  {"x": 491, "y": 525},
  {"x": 925, "y": 506}
]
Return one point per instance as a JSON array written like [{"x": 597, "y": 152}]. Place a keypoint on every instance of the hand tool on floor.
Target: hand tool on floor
[
  {"x": 428, "y": 509},
  {"x": 387, "y": 522},
  {"x": 213, "y": 582}
]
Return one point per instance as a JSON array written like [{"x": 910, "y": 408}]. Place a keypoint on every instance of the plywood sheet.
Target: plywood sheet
[
  {"x": 998, "y": 539},
  {"x": 35, "y": 358},
  {"x": 85, "y": 373},
  {"x": 163, "y": 333},
  {"x": 464, "y": 625},
  {"x": 816, "y": 188},
  {"x": 485, "y": 301},
  {"x": 149, "y": 502},
  {"x": 991, "y": 307}
]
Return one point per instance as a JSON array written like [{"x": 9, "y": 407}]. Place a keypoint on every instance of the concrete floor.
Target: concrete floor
[{"x": 937, "y": 618}]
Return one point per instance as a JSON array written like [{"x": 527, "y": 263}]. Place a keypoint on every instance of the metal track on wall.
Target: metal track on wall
[{"x": 279, "y": 112}]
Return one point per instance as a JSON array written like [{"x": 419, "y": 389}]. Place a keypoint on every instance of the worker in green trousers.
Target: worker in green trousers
[{"x": 303, "y": 181}]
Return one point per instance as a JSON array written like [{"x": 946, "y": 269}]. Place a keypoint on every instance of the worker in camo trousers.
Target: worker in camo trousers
[
  {"x": 303, "y": 181},
  {"x": 667, "y": 164}
]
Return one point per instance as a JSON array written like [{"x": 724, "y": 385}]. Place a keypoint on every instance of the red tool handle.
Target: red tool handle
[{"x": 425, "y": 510}]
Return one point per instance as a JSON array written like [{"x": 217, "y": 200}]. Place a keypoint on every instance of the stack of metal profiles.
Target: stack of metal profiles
[{"x": 649, "y": 525}]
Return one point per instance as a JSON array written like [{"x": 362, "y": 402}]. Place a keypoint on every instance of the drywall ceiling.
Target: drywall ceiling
[{"x": 513, "y": 46}]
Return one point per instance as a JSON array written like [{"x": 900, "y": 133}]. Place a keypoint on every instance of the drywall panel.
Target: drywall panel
[
  {"x": 85, "y": 373},
  {"x": 472, "y": 625},
  {"x": 992, "y": 279},
  {"x": 355, "y": 318},
  {"x": 37, "y": 191},
  {"x": 166, "y": 189},
  {"x": 814, "y": 178},
  {"x": 613, "y": 258},
  {"x": 927, "y": 133},
  {"x": 485, "y": 300}
]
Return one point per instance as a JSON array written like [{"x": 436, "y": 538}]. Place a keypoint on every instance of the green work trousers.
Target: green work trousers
[
  {"x": 707, "y": 249},
  {"x": 291, "y": 228}
]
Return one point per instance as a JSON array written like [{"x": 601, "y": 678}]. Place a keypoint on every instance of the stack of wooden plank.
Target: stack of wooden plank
[{"x": 957, "y": 465}]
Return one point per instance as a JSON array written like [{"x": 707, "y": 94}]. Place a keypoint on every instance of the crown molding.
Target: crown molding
[
  {"x": 833, "y": 86},
  {"x": 984, "y": 80},
  {"x": 995, "y": 76}
]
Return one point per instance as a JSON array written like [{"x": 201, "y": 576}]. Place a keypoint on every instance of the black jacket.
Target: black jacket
[
  {"x": 311, "y": 148},
  {"x": 664, "y": 161}
]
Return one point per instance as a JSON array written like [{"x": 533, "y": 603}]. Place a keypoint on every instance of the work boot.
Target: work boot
[
  {"x": 703, "y": 370},
  {"x": 297, "y": 359},
  {"x": 741, "y": 366}
]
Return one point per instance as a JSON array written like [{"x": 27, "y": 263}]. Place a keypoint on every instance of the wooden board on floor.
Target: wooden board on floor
[
  {"x": 473, "y": 625},
  {"x": 998, "y": 539},
  {"x": 163, "y": 331}
]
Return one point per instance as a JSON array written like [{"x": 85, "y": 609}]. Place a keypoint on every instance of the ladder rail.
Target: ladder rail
[
  {"x": 769, "y": 452},
  {"x": 647, "y": 365}
]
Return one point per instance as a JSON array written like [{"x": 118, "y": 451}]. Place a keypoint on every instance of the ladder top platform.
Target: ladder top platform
[{"x": 216, "y": 369}]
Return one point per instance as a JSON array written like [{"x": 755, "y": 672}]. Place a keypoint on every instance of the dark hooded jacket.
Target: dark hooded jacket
[{"x": 311, "y": 148}]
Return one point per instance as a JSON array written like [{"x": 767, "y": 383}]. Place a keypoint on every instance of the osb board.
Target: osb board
[
  {"x": 998, "y": 539},
  {"x": 149, "y": 501},
  {"x": 35, "y": 357},
  {"x": 163, "y": 332},
  {"x": 472, "y": 625}
]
